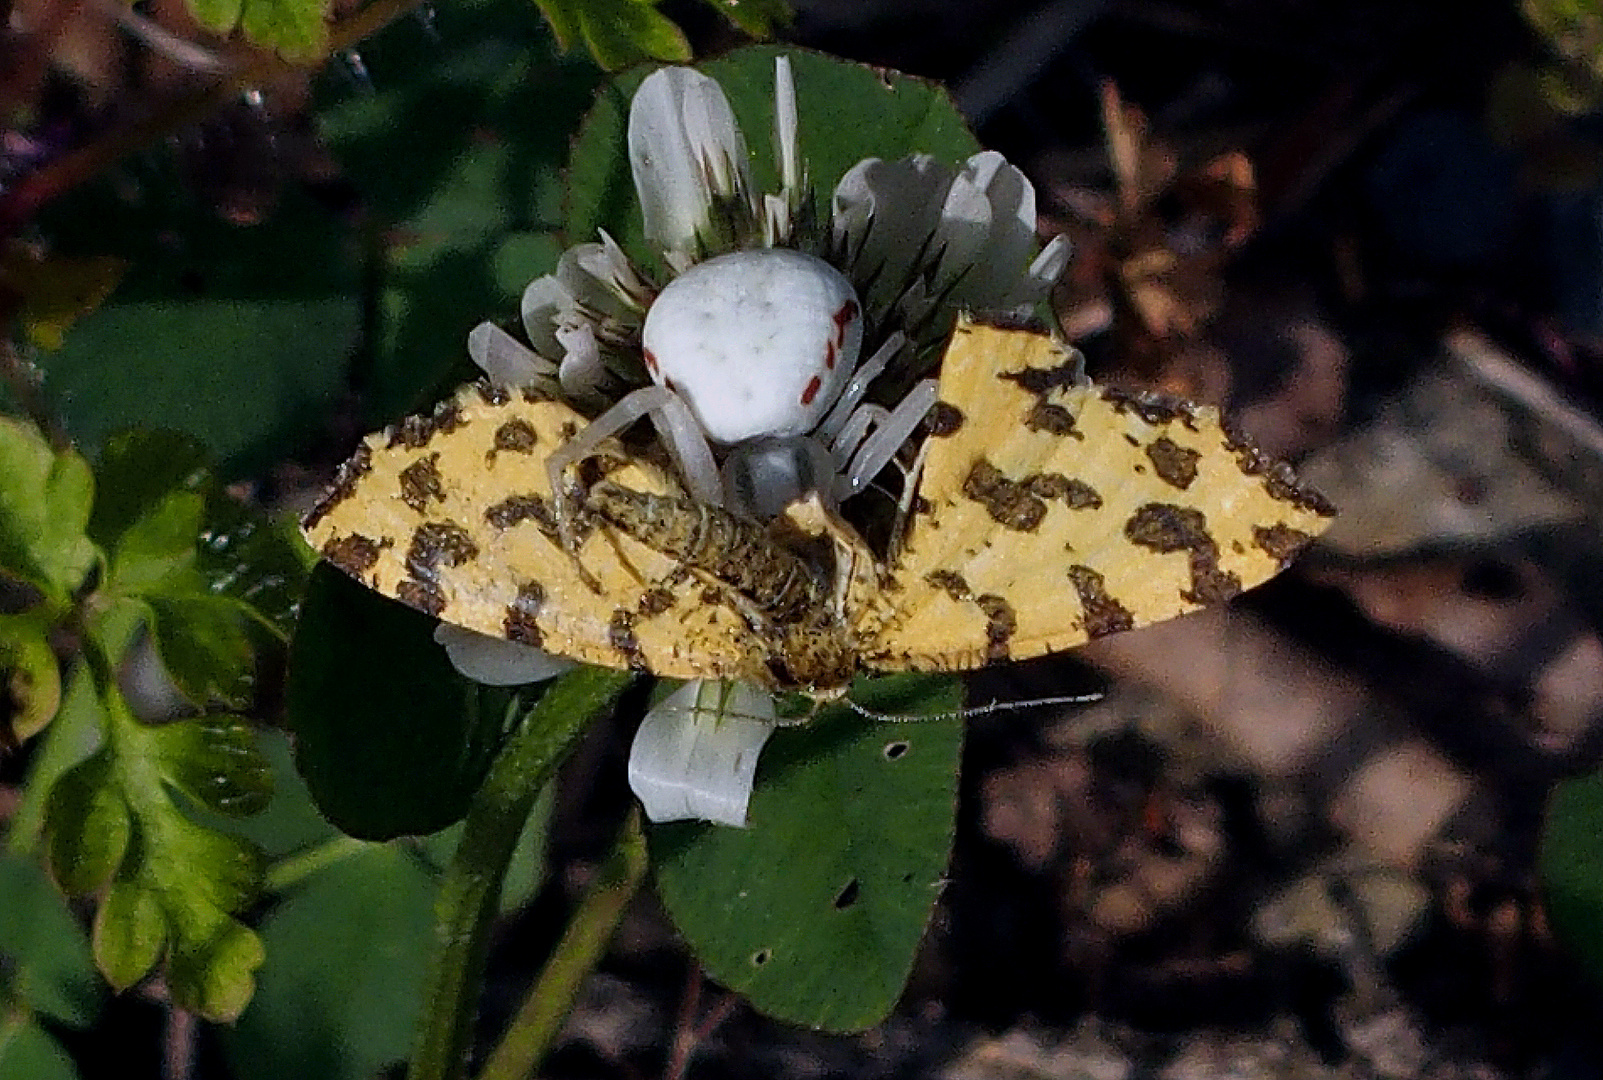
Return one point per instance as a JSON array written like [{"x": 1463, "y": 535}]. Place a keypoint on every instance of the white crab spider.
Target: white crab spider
[{"x": 755, "y": 353}]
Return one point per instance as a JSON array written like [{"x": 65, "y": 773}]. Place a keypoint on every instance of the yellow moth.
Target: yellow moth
[{"x": 1048, "y": 512}]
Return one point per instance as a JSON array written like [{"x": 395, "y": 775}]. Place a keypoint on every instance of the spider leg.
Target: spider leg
[
  {"x": 904, "y": 502},
  {"x": 856, "y": 430},
  {"x": 866, "y": 373},
  {"x": 880, "y": 448},
  {"x": 675, "y": 425}
]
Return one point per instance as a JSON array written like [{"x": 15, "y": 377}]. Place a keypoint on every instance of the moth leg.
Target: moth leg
[{"x": 904, "y": 503}]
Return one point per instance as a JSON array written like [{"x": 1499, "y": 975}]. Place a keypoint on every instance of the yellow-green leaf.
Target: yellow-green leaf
[
  {"x": 44, "y": 509},
  {"x": 30, "y": 676},
  {"x": 130, "y": 933}
]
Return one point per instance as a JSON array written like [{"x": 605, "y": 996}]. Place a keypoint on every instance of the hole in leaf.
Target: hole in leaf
[
  {"x": 1493, "y": 579},
  {"x": 761, "y": 957},
  {"x": 894, "y": 750},
  {"x": 848, "y": 895}
]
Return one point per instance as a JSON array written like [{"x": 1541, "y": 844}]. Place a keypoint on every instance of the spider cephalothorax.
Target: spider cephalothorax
[{"x": 757, "y": 392}]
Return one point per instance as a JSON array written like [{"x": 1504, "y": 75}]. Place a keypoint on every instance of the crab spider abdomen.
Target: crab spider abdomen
[{"x": 756, "y": 342}]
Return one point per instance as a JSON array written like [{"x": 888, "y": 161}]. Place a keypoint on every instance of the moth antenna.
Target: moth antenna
[{"x": 974, "y": 710}]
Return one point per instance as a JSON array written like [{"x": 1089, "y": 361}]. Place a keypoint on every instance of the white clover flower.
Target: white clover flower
[{"x": 747, "y": 358}]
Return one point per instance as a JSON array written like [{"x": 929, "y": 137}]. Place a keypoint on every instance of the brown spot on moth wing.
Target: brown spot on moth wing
[
  {"x": 1043, "y": 573},
  {"x": 481, "y": 576}
]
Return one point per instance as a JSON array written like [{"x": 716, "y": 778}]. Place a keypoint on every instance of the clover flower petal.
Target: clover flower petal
[
  {"x": 496, "y": 661},
  {"x": 506, "y": 360},
  {"x": 686, "y": 152},
  {"x": 695, "y": 754}
]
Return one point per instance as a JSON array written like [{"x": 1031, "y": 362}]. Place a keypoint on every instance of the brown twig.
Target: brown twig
[
  {"x": 687, "y": 1033},
  {"x": 49, "y": 182}
]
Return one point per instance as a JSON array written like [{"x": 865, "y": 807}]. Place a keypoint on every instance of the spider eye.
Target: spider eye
[
  {"x": 756, "y": 342},
  {"x": 763, "y": 476}
]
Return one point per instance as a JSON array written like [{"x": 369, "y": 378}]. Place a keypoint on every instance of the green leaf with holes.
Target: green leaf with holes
[
  {"x": 815, "y": 911},
  {"x": 845, "y": 112}
]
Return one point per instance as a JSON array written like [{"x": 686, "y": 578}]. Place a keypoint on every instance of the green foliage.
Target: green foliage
[
  {"x": 175, "y": 884},
  {"x": 759, "y": 18},
  {"x": 31, "y": 677},
  {"x": 815, "y": 911},
  {"x": 237, "y": 336},
  {"x": 617, "y": 32},
  {"x": 845, "y": 112},
  {"x": 391, "y": 740},
  {"x": 45, "y": 964},
  {"x": 121, "y": 821},
  {"x": 347, "y": 951},
  {"x": 1571, "y": 866},
  {"x": 295, "y": 29},
  {"x": 162, "y": 514},
  {"x": 346, "y": 938},
  {"x": 482, "y": 117},
  {"x": 28, "y": 1052}
]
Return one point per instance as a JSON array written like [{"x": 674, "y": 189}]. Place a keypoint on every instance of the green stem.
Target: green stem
[
  {"x": 471, "y": 888},
  {"x": 291, "y": 870},
  {"x": 576, "y": 955}
]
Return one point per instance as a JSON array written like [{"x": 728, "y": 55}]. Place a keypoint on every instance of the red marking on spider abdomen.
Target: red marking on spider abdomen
[
  {"x": 651, "y": 361},
  {"x": 829, "y": 356},
  {"x": 847, "y": 312},
  {"x": 812, "y": 390}
]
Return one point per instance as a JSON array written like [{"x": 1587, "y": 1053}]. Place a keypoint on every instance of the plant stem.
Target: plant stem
[
  {"x": 471, "y": 888},
  {"x": 553, "y": 994},
  {"x": 291, "y": 870}
]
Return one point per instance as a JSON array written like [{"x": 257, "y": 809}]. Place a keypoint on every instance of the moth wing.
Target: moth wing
[
  {"x": 451, "y": 514},
  {"x": 1051, "y": 512}
]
